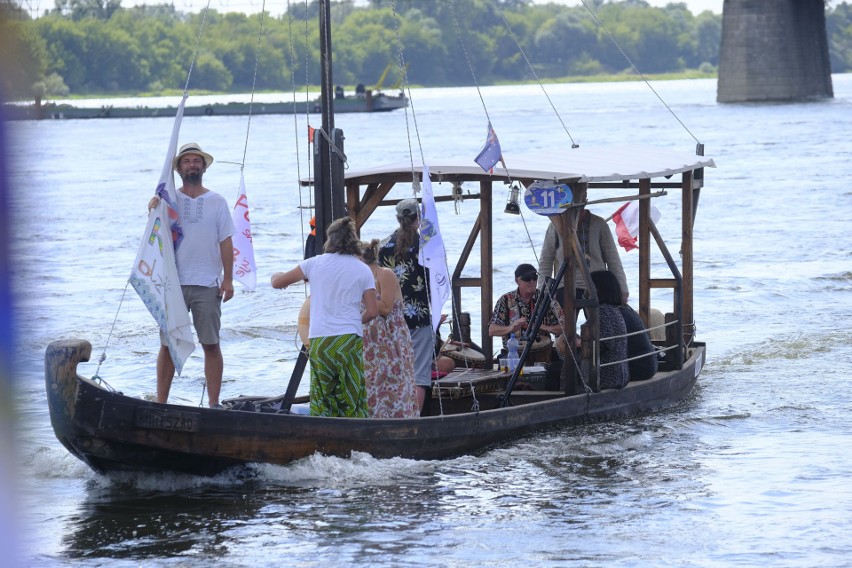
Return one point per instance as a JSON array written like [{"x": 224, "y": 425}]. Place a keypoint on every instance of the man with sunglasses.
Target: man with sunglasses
[{"x": 514, "y": 310}]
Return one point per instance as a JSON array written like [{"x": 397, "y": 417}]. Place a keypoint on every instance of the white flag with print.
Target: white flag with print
[
  {"x": 154, "y": 274},
  {"x": 245, "y": 270},
  {"x": 432, "y": 253}
]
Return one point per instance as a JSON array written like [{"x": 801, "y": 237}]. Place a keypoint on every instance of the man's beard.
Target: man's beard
[{"x": 192, "y": 177}]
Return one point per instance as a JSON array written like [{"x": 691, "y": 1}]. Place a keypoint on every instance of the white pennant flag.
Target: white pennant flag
[
  {"x": 432, "y": 253},
  {"x": 245, "y": 270},
  {"x": 154, "y": 274}
]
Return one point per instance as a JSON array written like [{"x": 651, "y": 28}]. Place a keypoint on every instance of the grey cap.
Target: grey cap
[{"x": 407, "y": 208}]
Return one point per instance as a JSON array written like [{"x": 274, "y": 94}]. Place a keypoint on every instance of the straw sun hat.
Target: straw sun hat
[{"x": 192, "y": 148}]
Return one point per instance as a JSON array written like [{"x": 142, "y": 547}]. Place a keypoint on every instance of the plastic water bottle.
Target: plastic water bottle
[{"x": 512, "y": 346}]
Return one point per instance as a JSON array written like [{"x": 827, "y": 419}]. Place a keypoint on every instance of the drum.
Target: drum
[
  {"x": 463, "y": 354},
  {"x": 304, "y": 322},
  {"x": 540, "y": 352}
]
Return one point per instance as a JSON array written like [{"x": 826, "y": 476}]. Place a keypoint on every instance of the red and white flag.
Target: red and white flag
[
  {"x": 626, "y": 220},
  {"x": 154, "y": 273},
  {"x": 245, "y": 270}
]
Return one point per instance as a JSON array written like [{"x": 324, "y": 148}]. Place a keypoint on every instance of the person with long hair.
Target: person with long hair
[
  {"x": 343, "y": 299},
  {"x": 399, "y": 252},
  {"x": 388, "y": 352},
  {"x": 612, "y": 330}
]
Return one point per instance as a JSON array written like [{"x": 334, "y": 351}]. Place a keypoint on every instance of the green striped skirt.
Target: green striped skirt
[{"x": 337, "y": 376}]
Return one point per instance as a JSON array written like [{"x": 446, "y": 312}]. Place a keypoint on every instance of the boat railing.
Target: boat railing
[{"x": 653, "y": 353}]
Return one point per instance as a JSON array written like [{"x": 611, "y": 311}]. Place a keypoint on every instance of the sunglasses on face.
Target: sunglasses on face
[{"x": 529, "y": 278}]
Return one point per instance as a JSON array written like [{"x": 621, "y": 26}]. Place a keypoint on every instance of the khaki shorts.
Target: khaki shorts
[{"x": 205, "y": 305}]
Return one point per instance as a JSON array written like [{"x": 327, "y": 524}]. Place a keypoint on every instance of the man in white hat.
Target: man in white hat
[{"x": 205, "y": 261}]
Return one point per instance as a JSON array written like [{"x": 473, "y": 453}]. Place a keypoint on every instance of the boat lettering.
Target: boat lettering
[{"x": 167, "y": 420}]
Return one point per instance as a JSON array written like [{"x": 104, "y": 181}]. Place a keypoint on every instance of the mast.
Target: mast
[
  {"x": 328, "y": 172},
  {"x": 328, "y": 141}
]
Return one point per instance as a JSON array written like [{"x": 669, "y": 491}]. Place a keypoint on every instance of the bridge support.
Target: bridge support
[{"x": 773, "y": 50}]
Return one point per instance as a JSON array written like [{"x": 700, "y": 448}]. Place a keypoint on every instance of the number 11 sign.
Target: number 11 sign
[{"x": 546, "y": 197}]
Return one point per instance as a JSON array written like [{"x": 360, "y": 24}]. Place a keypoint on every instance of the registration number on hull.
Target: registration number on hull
[{"x": 166, "y": 420}]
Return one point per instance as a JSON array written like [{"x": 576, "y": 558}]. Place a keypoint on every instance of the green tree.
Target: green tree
[
  {"x": 97, "y": 46},
  {"x": 66, "y": 50},
  {"x": 211, "y": 74},
  {"x": 81, "y": 9},
  {"x": 23, "y": 55},
  {"x": 425, "y": 48},
  {"x": 163, "y": 40},
  {"x": 363, "y": 46},
  {"x": 647, "y": 35},
  {"x": 565, "y": 44},
  {"x": 838, "y": 23},
  {"x": 114, "y": 61}
]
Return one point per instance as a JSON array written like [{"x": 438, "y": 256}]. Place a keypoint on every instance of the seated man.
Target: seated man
[{"x": 514, "y": 310}]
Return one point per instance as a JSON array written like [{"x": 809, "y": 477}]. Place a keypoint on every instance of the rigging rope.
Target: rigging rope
[
  {"x": 633, "y": 65},
  {"x": 292, "y": 53},
  {"x": 253, "y": 83},
  {"x": 415, "y": 183},
  {"x": 485, "y": 108},
  {"x": 197, "y": 44},
  {"x": 124, "y": 292},
  {"x": 532, "y": 70}
]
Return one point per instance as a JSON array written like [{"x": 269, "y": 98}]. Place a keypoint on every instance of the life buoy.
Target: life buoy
[{"x": 304, "y": 322}]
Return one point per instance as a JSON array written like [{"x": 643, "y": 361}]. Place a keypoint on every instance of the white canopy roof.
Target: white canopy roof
[{"x": 585, "y": 164}]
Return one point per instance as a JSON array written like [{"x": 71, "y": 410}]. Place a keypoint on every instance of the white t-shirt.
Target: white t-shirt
[
  {"x": 206, "y": 222},
  {"x": 338, "y": 282}
]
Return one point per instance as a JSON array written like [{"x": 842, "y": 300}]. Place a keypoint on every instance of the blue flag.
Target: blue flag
[{"x": 491, "y": 152}]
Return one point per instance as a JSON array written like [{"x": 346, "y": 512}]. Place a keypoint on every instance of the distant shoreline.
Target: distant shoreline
[{"x": 314, "y": 90}]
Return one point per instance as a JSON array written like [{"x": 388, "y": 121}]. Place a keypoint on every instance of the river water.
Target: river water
[{"x": 753, "y": 470}]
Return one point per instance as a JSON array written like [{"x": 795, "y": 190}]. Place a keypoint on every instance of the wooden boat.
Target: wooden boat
[
  {"x": 110, "y": 431},
  {"x": 370, "y": 101},
  {"x": 470, "y": 409}
]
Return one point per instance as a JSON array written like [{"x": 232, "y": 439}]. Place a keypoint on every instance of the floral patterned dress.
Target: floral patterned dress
[
  {"x": 612, "y": 324},
  {"x": 389, "y": 366}
]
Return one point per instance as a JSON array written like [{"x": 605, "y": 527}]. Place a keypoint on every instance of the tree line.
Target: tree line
[{"x": 99, "y": 47}]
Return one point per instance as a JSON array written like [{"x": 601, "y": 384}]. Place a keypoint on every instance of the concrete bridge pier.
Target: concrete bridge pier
[{"x": 773, "y": 51}]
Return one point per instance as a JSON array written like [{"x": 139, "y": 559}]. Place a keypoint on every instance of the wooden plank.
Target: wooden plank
[{"x": 687, "y": 258}]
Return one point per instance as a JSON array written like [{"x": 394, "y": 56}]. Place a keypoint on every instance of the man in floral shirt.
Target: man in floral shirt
[{"x": 514, "y": 310}]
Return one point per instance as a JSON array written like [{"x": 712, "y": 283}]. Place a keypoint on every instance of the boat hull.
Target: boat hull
[
  {"x": 113, "y": 432},
  {"x": 377, "y": 103}
]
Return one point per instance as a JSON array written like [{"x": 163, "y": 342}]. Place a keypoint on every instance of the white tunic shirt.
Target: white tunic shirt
[{"x": 206, "y": 222}]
